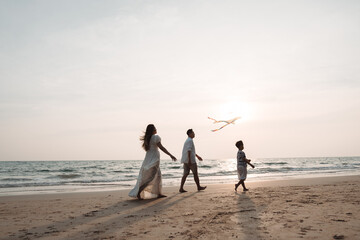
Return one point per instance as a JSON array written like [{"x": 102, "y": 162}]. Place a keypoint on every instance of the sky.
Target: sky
[{"x": 81, "y": 79}]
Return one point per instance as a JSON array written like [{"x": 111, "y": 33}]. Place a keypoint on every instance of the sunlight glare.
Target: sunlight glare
[{"x": 233, "y": 109}]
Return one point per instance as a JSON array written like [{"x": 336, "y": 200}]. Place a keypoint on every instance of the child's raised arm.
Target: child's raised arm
[{"x": 248, "y": 162}]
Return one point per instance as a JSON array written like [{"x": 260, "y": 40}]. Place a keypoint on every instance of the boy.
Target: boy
[{"x": 242, "y": 162}]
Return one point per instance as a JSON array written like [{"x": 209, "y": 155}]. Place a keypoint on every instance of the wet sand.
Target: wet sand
[{"x": 312, "y": 208}]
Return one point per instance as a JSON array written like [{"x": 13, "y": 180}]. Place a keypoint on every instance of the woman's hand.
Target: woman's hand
[{"x": 165, "y": 151}]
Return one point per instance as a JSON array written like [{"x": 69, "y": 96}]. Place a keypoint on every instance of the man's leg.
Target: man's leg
[
  {"x": 183, "y": 179},
  {"x": 196, "y": 177}
]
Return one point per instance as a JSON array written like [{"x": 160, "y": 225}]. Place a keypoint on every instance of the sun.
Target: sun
[{"x": 231, "y": 109}]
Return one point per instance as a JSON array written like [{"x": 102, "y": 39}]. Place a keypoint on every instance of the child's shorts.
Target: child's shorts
[{"x": 242, "y": 172}]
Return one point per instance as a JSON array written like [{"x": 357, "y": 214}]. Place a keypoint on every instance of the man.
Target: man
[{"x": 188, "y": 159}]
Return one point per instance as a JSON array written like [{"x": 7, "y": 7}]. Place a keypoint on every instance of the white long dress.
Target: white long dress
[{"x": 149, "y": 181}]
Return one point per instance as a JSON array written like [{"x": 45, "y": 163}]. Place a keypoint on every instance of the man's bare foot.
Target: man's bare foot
[
  {"x": 161, "y": 196},
  {"x": 201, "y": 188},
  {"x": 182, "y": 191},
  {"x": 236, "y": 186},
  {"x": 245, "y": 189}
]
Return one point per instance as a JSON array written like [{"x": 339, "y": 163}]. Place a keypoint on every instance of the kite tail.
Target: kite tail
[{"x": 213, "y": 120}]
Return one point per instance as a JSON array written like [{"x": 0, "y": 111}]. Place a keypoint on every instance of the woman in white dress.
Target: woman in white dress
[{"x": 149, "y": 181}]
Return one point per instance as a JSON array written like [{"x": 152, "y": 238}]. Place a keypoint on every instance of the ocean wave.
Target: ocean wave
[
  {"x": 131, "y": 175},
  {"x": 205, "y": 166},
  {"x": 68, "y": 176},
  {"x": 19, "y": 185},
  {"x": 174, "y": 167},
  {"x": 269, "y": 170},
  {"x": 104, "y": 181},
  {"x": 15, "y": 179},
  {"x": 220, "y": 173},
  {"x": 167, "y": 175},
  {"x": 67, "y": 170},
  {"x": 94, "y": 167},
  {"x": 275, "y": 163},
  {"x": 121, "y": 171},
  {"x": 227, "y": 172}
]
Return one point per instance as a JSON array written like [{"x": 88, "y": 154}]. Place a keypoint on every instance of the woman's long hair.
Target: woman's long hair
[{"x": 147, "y": 136}]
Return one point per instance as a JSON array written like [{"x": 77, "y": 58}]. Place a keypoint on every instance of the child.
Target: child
[{"x": 242, "y": 162}]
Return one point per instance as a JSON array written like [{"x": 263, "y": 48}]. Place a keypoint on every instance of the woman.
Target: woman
[{"x": 149, "y": 183}]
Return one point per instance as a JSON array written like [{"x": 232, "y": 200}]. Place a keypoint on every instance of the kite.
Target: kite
[{"x": 222, "y": 121}]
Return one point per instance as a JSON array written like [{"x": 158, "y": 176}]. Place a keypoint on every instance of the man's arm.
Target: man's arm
[
  {"x": 189, "y": 158},
  {"x": 200, "y": 158}
]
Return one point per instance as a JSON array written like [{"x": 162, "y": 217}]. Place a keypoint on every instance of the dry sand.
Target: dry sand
[{"x": 318, "y": 208}]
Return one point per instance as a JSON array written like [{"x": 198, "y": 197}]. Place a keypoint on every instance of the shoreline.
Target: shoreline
[
  {"x": 65, "y": 189},
  {"x": 309, "y": 208}
]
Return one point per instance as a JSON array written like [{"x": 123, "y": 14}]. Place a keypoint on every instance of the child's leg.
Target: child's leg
[
  {"x": 243, "y": 180},
  {"x": 242, "y": 173},
  {"x": 238, "y": 184},
  {"x": 243, "y": 185}
]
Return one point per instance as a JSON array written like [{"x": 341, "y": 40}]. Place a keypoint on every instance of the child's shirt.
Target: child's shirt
[{"x": 240, "y": 157}]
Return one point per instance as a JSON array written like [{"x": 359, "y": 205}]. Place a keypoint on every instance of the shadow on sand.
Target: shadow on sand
[
  {"x": 248, "y": 216},
  {"x": 107, "y": 221}
]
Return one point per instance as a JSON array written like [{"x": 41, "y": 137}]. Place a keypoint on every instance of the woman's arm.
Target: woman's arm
[{"x": 165, "y": 151}]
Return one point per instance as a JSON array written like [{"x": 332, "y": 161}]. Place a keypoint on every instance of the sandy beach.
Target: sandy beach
[{"x": 311, "y": 208}]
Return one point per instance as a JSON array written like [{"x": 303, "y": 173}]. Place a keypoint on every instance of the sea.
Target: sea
[{"x": 40, "y": 177}]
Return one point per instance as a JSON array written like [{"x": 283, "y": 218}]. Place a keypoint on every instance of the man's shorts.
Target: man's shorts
[
  {"x": 187, "y": 169},
  {"x": 242, "y": 172}
]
